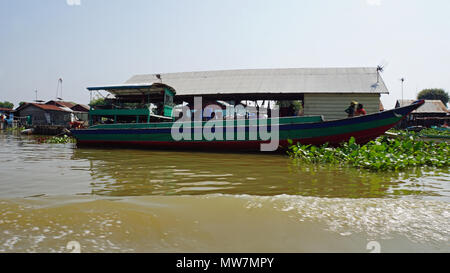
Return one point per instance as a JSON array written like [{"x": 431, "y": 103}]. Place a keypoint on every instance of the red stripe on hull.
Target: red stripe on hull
[{"x": 361, "y": 138}]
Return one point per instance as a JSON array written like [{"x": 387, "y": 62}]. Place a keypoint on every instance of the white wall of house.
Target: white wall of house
[{"x": 332, "y": 106}]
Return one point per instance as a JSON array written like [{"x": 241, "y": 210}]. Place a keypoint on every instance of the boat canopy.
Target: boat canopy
[{"x": 138, "y": 89}]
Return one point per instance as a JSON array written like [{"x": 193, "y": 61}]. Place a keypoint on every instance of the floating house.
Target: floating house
[
  {"x": 80, "y": 111},
  {"x": 44, "y": 114},
  {"x": 432, "y": 113},
  {"x": 76, "y": 107},
  {"x": 322, "y": 91},
  {"x": 80, "y": 108}
]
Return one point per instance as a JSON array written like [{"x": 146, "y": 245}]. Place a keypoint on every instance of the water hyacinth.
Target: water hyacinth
[
  {"x": 425, "y": 132},
  {"x": 442, "y": 133},
  {"x": 381, "y": 154},
  {"x": 57, "y": 140}
]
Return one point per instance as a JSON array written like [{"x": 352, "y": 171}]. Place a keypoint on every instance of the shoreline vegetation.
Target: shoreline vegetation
[{"x": 382, "y": 154}]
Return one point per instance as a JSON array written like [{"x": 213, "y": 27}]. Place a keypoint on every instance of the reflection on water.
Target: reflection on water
[
  {"x": 160, "y": 201},
  {"x": 31, "y": 169},
  {"x": 141, "y": 173}
]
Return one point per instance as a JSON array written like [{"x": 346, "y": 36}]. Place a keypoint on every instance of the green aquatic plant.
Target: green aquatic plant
[
  {"x": 435, "y": 132},
  {"x": 381, "y": 154},
  {"x": 14, "y": 129},
  {"x": 422, "y": 133},
  {"x": 57, "y": 140}
]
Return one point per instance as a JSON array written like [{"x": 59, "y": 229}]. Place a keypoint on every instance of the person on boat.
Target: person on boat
[
  {"x": 360, "y": 111},
  {"x": 351, "y": 109}
]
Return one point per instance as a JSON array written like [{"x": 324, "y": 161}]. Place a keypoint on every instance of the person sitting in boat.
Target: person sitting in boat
[
  {"x": 360, "y": 111},
  {"x": 351, "y": 109}
]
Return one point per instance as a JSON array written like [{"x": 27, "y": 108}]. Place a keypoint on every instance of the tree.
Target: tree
[
  {"x": 97, "y": 102},
  {"x": 6, "y": 104},
  {"x": 297, "y": 105},
  {"x": 434, "y": 94}
]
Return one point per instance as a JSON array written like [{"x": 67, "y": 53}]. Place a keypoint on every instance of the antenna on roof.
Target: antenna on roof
[
  {"x": 158, "y": 76},
  {"x": 60, "y": 82},
  {"x": 402, "y": 80},
  {"x": 380, "y": 69},
  {"x": 36, "y": 100}
]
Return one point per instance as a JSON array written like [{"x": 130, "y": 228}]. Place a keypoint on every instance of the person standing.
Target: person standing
[
  {"x": 3, "y": 122},
  {"x": 351, "y": 109}
]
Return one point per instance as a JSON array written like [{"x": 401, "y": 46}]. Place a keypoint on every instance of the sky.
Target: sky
[{"x": 97, "y": 42}]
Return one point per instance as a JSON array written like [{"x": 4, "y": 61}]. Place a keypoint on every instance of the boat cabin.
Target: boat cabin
[
  {"x": 133, "y": 103},
  {"x": 296, "y": 92}
]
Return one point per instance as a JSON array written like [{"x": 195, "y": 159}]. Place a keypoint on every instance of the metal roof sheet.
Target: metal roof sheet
[
  {"x": 289, "y": 80},
  {"x": 42, "y": 106},
  {"x": 130, "y": 89},
  {"x": 6, "y": 109},
  {"x": 61, "y": 103},
  {"x": 430, "y": 106},
  {"x": 79, "y": 105}
]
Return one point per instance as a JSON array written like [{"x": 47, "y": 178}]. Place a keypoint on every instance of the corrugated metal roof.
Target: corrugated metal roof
[
  {"x": 430, "y": 106},
  {"x": 41, "y": 106},
  {"x": 290, "y": 80},
  {"x": 61, "y": 103},
  {"x": 85, "y": 107},
  {"x": 49, "y": 107},
  {"x": 130, "y": 89}
]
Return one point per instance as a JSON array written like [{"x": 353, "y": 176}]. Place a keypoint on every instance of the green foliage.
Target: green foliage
[
  {"x": 381, "y": 154},
  {"x": 15, "y": 129},
  {"x": 6, "y": 104},
  {"x": 98, "y": 102},
  {"x": 434, "y": 94},
  {"x": 57, "y": 140},
  {"x": 297, "y": 105},
  {"x": 424, "y": 133}
]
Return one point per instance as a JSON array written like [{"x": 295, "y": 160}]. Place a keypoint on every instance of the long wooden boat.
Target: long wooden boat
[{"x": 306, "y": 130}]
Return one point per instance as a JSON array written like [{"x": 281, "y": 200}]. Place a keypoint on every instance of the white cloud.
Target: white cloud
[{"x": 373, "y": 2}]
